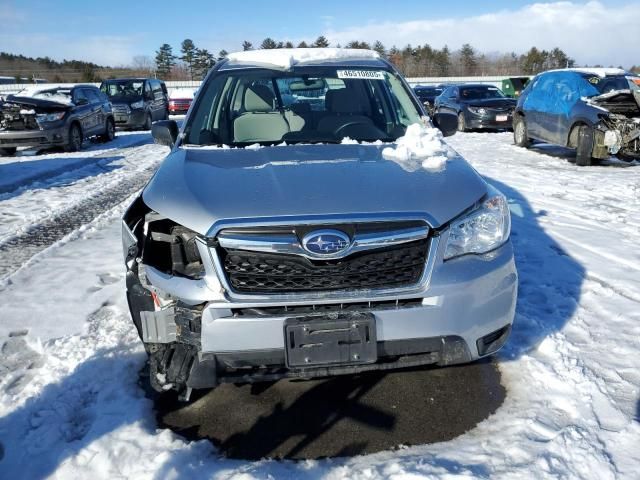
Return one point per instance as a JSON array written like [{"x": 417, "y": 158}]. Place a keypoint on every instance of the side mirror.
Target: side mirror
[
  {"x": 447, "y": 123},
  {"x": 165, "y": 132}
]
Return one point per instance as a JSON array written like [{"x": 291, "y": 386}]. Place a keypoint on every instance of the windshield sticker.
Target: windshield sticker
[{"x": 362, "y": 74}]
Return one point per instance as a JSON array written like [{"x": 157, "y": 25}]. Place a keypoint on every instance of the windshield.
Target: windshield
[
  {"x": 610, "y": 83},
  {"x": 480, "y": 93},
  {"x": 319, "y": 104},
  {"x": 122, "y": 88}
]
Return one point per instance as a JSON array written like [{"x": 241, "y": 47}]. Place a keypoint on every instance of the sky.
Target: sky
[{"x": 113, "y": 32}]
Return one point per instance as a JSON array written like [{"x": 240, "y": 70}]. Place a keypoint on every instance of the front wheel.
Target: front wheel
[
  {"x": 584, "y": 148},
  {"x": 109, "y": 131},
  {"x": 520, "y": 133},
  {"x": 74, "y": 143},
  {"x": 8, "y": 151},
  {"x": 462, "y": 125}
]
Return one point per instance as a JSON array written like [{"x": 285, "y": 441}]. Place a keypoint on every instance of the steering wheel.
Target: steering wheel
[{"x": 338, "y": 131}]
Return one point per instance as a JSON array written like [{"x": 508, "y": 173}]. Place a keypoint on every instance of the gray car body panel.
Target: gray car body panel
[{"x": 203, "y": 189}]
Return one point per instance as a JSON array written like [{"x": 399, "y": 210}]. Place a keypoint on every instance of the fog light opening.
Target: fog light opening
[{"x": 492, "y": 342}]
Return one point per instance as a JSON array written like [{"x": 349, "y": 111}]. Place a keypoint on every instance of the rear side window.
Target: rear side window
[{"x": 92, "y": 95}]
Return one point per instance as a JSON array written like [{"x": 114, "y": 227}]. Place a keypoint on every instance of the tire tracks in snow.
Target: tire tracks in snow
[{"x": 17, "y": 250}]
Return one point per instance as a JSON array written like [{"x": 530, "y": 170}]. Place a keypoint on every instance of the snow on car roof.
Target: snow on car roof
[
  {"x": 601, "y": 72},
  {"x": 288, "y": 57}
]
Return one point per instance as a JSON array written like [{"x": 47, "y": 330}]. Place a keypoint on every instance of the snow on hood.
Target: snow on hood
[
  {"x": 420, "y": 147},
  {"x": 288, "y": 57}
]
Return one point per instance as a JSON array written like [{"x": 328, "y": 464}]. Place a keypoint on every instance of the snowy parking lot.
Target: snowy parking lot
[{"x": 71, "y": 406}]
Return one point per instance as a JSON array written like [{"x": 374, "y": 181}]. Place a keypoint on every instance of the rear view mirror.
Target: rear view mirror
[
  {"x": 317, "y": 84},
  {"x": 447, "y": 123},
  {"x": 165, "y": 132}
]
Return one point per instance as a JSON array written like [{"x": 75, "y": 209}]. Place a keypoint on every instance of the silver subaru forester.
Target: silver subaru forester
[{"x": 279, "y": 240}]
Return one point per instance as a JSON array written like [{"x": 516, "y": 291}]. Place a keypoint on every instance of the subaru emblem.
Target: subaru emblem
[{"x": 325, "y": 242}]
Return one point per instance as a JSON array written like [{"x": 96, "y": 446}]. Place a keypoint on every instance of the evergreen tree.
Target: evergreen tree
[
  {"x": 203, "y": 61},
  {"x": 165, "y": 60},
  {"x": 379, "y": 47},
  {"x": 288, "y": 45},
  {"x": 247, "y": 45},
  {"x": 468, "y": 59},
  {"x": 321, "y": 42},
  {"x": 188, "y": 50},
  {"x": 268, "y": 43},
  {"x": 222, "y": 54},
  {"x": 303, "y": 44}
]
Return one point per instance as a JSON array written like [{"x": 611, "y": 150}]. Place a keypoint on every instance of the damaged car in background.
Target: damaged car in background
[
  {"x": 310, "y": 221},
  {"x": 54, "y": 117},
  {"x": 596, "y": 111}
]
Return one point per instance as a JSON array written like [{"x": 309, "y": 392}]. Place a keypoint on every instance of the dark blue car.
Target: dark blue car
[{"x": 595, "y": 111}]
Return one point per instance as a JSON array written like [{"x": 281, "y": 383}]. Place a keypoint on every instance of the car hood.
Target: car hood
[
  {"x": 619, "y": 101},
  {"x": 43, "y": 106},
  {"x": 492, "y": 102},
  {"x": 203, "y": 188}
]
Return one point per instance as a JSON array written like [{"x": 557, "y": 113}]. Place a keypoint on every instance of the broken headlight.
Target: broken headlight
[
  {"x": 484, "y": 229},
  {"x": 172, "y": 248}
]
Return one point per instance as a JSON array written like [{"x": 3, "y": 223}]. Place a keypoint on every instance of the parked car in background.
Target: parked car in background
[
  {"x": 311, "y": 256},
  {"x": 54, "y": 117},
  {"x": 477, "y": 106},
  {"x": 137, "y": 102},
  {"x": 427, "y": 95},
  {"x": 512, "y": 87},
  {"x": 180, "y": 100},
  {"x": 594, "y": 110}
]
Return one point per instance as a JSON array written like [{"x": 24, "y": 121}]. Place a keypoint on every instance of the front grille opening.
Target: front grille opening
[
  {"x": 256, "y": 272},
  {"x": 328, "y": 308}
]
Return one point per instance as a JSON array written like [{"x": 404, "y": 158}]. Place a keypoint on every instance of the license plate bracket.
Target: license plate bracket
[
  {"x": 330, "y": 340},
  {"x": 502, "y": 118}
]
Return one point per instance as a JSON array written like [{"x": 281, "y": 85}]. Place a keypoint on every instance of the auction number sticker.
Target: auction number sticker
[{"x": 362, "y": 74}]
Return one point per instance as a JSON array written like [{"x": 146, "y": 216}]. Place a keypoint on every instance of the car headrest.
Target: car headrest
[
  {"x": 343, "y": 100},
  {"x": 258, "y": 98}
]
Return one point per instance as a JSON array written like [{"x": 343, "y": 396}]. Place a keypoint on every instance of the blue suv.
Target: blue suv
[{"x": 594, "y": 110}]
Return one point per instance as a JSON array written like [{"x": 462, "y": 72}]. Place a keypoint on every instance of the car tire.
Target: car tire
[
  {"x": 584, "y": 147},
  {"x": 147, "y": 122},
  {"x": 462, "y": 125},
  {"x": 109, "y": 131},
  {"x": 75, "y": 138},
  {"x": 8, "y": 151},
  {"x": 520, "y": 137}
]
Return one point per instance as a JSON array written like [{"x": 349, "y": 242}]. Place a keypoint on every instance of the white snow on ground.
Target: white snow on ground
[{"x": 70, "y": 406}]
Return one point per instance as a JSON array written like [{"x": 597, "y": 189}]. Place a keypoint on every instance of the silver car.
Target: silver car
[{"x": 279, "y": 240}]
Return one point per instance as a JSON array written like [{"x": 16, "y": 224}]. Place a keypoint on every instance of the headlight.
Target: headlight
[
  {"x": 481, "y": 231},
  {"x": 477, "y": 110},
  {"x": 50, "y": 117},
  {"x": 138, "y": 104}
]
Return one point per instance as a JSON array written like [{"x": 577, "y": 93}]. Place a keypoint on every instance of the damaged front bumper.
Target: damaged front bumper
[{"x": 198, "y": 335}]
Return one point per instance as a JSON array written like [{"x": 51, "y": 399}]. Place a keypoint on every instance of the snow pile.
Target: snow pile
[
  {"x": 288, "y": 57},
  {"x": 420, "y": 147}
]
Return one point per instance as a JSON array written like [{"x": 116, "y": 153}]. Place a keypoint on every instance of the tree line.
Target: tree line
[{"x": 413, "y": 61}]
